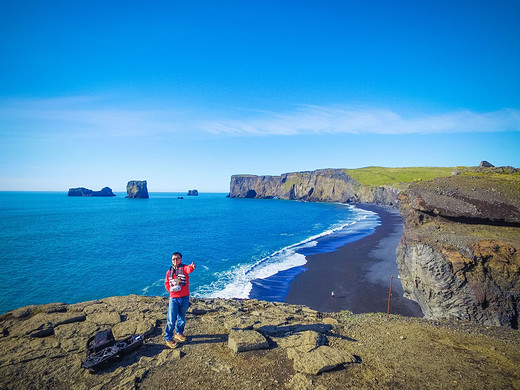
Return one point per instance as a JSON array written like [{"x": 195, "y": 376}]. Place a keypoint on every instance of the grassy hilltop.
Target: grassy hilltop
[
  {"x": 366, "y": 185},
  {"x": 397, "y": 177}
]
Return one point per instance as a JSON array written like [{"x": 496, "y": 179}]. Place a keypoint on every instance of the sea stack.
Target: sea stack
[
  {"x": 137, "y": 189},
  {"x": 193, "y": 193},
  {"x": 82, "y": 191}
]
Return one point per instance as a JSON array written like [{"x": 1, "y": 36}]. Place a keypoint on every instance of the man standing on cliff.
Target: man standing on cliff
[{"x": 177, "y": 283}]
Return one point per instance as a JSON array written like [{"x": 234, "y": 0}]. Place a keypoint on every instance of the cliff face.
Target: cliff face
[
  {"x": 323, "y": 185},
  {"x": 459, "y": 254},
  {"x": 137, "y": 189}
]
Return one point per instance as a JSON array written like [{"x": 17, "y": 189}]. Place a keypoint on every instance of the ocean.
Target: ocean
[{"x": 56, "y": 248}]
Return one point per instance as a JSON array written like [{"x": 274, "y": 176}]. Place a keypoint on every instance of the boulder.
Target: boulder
[
  {"x": 241, "y": 340},
  {"x": 304, "y": 341},
  {"x": 137, "y": 189}
]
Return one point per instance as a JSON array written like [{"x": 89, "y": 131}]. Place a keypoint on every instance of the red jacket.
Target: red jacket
[{"x": 185, "y": 290}]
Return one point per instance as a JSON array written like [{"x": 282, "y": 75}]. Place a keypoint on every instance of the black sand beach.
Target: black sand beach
[{"x": 359, "y": 274}]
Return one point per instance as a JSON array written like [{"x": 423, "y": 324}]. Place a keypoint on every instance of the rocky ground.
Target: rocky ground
[{"x": 245, "y": 344}]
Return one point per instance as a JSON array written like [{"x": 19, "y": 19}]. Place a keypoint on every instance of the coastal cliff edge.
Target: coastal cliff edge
[
  {"x": 459, "y": 253},
  {"x": 243, "y": 344}
]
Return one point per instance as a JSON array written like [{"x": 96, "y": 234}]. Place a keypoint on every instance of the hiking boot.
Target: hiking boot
[
  {"x": 180, "y": 337},
  {"x": 172, "y": 344}
]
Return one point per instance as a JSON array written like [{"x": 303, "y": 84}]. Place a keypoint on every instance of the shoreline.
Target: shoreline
[{"x": 359, "y": 273}]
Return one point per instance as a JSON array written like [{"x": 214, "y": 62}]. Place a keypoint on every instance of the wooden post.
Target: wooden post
[{"x": 389, "y": 295}]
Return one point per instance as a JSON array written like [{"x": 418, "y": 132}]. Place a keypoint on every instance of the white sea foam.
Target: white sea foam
[
  {"x": 236, "y": 282},
  {"x": 153, "y": 286}
]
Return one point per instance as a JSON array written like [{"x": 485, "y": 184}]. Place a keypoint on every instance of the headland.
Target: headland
[{"x": 459, "y": 255}]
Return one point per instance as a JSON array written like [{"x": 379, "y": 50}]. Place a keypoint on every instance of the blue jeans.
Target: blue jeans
[{"x": 176, "y": 317}]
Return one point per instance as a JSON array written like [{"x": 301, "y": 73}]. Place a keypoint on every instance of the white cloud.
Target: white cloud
[
  {"x": 87, "y": 117},
  {"x": 336, "y": 120},
  {"x": 102, "y": 117}
]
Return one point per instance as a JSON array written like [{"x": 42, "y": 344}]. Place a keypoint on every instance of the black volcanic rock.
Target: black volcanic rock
[
  {"x": 105, "y": 191},
  {"x": 137, "y": 189},
  {"x": 193, "y": 193},
  {"x": 459, "y": 256},
  {"x": 81, "y": 191}
]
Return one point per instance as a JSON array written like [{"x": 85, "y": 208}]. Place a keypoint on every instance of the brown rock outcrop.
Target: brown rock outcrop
[
  {"x": 322, "y": 185},
  {"x": 242, "y": 344},
  {"x": 137, "y": 189},
  {"x": 34, "y": 336},
  {"x": 459, "y": 256},
  {"x": 489, "y": 199}
]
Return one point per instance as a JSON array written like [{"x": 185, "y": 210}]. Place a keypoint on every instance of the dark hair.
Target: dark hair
[{"x": 177, "y": 254}]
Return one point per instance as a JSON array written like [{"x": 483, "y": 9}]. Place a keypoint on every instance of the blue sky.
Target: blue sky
[{"x": 185, "y": 94}]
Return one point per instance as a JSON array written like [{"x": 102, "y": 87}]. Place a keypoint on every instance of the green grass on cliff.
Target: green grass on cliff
[{"x": 398, "y": 177}]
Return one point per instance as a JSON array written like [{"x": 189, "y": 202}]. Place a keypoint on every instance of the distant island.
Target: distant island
[
  {"x": 193, "y": 193},
  {"x": 137, "y": 189},
  {"x": 81, "y": 191}
]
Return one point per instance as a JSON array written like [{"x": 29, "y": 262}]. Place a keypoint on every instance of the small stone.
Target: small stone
[{"x": 330, "y": 321}]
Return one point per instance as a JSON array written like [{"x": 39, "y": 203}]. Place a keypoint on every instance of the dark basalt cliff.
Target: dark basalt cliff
[
  {"x": 459, "y": 254},
  {"x": 137, "y": 189},
  {"x": 81, "y": 191},
  {"x": 323, "y": 185}
]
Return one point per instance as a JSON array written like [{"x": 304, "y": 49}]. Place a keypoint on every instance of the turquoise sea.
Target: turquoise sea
[{"x": 56, "y": 248}]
